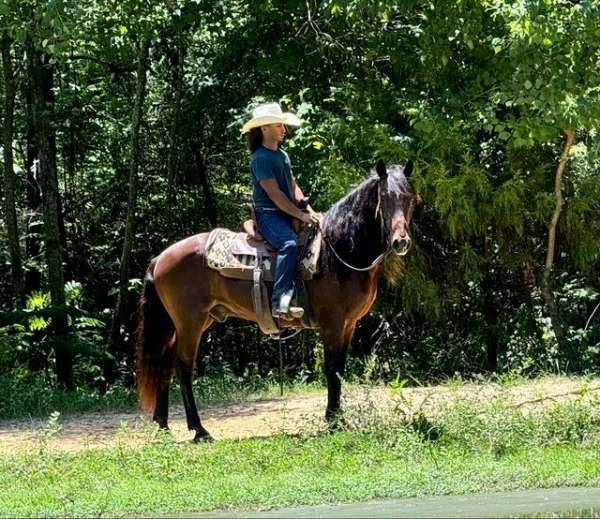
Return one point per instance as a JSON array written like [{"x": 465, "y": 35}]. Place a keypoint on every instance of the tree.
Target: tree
[
  {"x": 44, "y": 123},
  {"x": 134, "y": 160},
  {"x": 9, "y": 172}
]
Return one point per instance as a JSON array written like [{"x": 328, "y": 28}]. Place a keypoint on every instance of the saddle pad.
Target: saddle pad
[{"x": 234, "y": 254}]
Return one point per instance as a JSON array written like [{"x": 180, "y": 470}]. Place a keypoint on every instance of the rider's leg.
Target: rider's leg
[{"x": 276, "y": 227}]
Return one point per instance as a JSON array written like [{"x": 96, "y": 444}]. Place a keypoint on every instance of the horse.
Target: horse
[{"x": 363, "y": 233}]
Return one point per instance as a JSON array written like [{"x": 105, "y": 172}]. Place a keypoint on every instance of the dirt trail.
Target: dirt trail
[{"x": 265, "y": 417}]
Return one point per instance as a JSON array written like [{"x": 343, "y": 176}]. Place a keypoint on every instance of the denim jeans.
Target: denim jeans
[{"x": 276, "y": 227}]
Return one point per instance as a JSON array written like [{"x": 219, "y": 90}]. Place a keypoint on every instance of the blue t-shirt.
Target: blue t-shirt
[{"x": 264, "y": 164}]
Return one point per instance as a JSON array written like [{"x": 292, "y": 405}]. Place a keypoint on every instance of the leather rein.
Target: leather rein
[{"x": 384, "y": 229}]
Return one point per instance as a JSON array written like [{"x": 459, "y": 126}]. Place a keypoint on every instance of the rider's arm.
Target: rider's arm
[
  {"x": 279, "y": 198},
  {"x": 299, "y": 195}
]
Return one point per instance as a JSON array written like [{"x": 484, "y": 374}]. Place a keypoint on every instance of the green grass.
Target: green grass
[
  {"x": 33, "y": 397},
  {"x": 581, "y": 513},
  {"x": 463, "y": 449},
  {"x": 37, "y": 397}
]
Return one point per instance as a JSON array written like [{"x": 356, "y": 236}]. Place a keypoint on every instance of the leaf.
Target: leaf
[{"x": 37, "y": 323}]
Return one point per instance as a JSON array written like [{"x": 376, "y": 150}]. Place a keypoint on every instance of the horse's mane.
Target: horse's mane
[{"x": 351, "y": 227}]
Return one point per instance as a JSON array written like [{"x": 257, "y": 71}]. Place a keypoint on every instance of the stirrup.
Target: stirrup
[{"x": 281, "y": 316}]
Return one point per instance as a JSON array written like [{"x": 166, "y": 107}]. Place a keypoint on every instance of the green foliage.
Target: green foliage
[
  {"x": 24, "y": 395},
  {"x": 478, "y": 93}
]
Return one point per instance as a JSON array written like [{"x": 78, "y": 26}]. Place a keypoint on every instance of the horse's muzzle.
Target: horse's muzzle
[{"x": 401, "y": 245}]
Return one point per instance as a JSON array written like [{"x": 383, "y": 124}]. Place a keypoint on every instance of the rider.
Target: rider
[{"x": 276, "y": 196}]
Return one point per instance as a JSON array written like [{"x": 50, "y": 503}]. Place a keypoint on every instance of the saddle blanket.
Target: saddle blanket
[{"x": 234, "y": 254}]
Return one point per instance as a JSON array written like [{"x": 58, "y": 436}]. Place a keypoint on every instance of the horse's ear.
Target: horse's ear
[
  {"x": 408, "y": 169},
  {"x": 381, "y": 169}
]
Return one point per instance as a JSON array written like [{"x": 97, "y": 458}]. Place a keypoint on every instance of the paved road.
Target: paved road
[{"x": 498, "y": 504}]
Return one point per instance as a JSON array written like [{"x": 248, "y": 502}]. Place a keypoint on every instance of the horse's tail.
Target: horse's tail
[{"x": 155, "y": 357}]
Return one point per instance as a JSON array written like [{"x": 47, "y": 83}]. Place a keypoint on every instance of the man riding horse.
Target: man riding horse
[
  {"x": 276, "y": 198},
  {"x": 182, "y": 294}
]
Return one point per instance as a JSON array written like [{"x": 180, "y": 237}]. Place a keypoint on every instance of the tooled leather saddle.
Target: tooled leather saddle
[{"x": 238, "y": 256}]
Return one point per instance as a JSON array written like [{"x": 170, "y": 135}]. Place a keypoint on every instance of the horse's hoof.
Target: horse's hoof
[
  {"x": 203, "y": 437},
  {"x": 162, "y": 423},
  {"x": 335, "y": 422}
]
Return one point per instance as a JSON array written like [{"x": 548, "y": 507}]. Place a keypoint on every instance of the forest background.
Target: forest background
[{"x": 121, "y": 135}]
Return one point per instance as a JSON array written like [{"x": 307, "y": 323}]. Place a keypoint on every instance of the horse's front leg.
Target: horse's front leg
[{"x": 336, "y": 337}]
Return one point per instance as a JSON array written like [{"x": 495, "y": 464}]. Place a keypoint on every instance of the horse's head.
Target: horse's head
[{"x": 396, "y": 203}]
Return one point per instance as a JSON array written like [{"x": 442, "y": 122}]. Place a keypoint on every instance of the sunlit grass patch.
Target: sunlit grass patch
[{"x": 464, "y": 447}]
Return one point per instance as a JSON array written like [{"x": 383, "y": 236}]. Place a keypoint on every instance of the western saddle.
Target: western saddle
[{"x": 236, "y": 255}]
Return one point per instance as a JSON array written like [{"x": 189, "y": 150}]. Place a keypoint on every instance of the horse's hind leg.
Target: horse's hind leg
[
  {"x": 188, "y": 341},
  {"x": 161, "y": 411}
]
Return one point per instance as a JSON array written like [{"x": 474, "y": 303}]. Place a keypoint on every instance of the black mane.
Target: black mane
[{"x": 352, "y": 228}]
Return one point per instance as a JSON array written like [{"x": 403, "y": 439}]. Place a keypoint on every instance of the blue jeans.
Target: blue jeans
[{"x": 276, "y": 227}]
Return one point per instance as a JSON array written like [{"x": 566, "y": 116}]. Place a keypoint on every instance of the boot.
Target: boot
[
  {"x": 286, "y": 311},
  {"x": 294, "y": 312}
]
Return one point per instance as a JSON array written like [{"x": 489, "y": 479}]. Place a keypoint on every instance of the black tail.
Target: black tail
[{"x": 155, "y": 360}]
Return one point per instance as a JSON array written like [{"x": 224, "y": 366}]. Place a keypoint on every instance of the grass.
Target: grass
[
  {"x": 580, "y": 513},
  {"x": 280, "y": 471},
  {"x": 33, "y": 397},
  {"x": 464, "y": 448},
  {"x": 38, "y": 398}
]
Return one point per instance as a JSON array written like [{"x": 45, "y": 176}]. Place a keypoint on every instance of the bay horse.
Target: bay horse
[{"x": 362, "y": 233}]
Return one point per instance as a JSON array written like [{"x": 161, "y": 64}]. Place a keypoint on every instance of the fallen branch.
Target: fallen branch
[{"x": 554, "y": 397}]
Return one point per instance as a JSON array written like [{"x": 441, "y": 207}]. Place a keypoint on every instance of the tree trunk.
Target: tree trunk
[
  {"x": 34, "y": 195},
  {"x": 490, "y": 311},
  {"x": 114, "y": 337},
  {"x": 43, "y": 115},
  {"x": 178, "y": 71},
  {"x": 547, "y": 290},
  {"x": 211, "y": 208},
  {"x": 10, "y": 211},
  {"x": 490, "y": 306}
]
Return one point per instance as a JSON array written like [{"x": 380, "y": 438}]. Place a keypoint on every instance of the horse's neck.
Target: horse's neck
[
  {"x": 360, "y": 243},
  {"x": 367, "y": 238}
]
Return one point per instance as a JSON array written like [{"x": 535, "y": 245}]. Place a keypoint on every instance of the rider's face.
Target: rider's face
[{"x": 274, "y": 132}]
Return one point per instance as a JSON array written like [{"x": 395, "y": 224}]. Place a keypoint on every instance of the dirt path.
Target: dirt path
[{"x": 270, "y": 416}]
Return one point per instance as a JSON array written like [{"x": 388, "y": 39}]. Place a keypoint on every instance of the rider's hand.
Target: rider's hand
[{"x": 311, "y": 217}]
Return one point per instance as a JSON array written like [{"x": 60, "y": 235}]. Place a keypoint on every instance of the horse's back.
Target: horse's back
[{"x": 182, "y": 255}]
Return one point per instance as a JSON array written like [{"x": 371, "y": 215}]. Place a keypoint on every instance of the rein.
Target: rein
[
  {"x": 384, "y": 227},
  {"x": 375, "y": 262}
]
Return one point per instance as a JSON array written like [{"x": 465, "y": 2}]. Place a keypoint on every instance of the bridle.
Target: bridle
[{"x": 382, "y": 211}]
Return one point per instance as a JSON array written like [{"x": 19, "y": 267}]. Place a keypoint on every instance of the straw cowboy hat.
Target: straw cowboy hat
[{"x": 270, "y": 113}]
